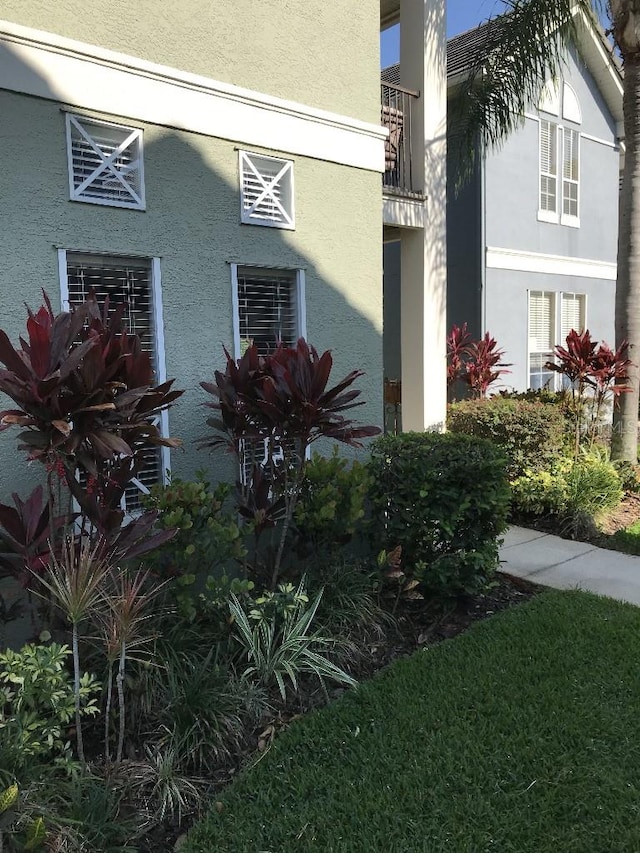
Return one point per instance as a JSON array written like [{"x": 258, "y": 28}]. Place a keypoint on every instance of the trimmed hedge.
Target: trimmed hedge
[
  {"x": 445, "y": 500},
  {"x": 531, "y": 433}
]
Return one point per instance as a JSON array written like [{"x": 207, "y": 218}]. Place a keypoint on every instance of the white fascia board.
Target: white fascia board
[
  {"x": 49, "y": 66},
  {"x": 517, "y": 261},
  {"x": 403, "y": 212}
]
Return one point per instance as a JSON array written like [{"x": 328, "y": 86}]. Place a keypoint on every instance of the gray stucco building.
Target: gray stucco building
[{"x": 532, "y": 235}]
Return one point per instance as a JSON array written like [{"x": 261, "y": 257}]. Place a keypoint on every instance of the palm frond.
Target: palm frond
[{"x": 513, "y": 56}]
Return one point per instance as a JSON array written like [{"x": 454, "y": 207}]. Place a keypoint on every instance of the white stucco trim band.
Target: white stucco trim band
[
  {"x": 45, "y": 65},
  {"x": 403, "y": 212},
  {"x": 511, "y": 259}
]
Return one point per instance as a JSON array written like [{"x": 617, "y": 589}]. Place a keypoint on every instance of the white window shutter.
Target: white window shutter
[
  {"x": 105, "y": 163},
  {"x": 266, "y": 191},
  {"x": 125, "y": 281},
  {"x": 570, "y": 172},
  {"x": 548, "y": 166}
]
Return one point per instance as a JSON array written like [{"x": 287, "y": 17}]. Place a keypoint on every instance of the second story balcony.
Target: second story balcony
[{"x": 398, "y": 104}]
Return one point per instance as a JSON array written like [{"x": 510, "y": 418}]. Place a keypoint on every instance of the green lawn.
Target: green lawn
[
  {"x": 627, "y": 540},
  {"x": 521, "y": 735}
]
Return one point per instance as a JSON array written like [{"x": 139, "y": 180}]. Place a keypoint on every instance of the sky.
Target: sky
[{"x": 461, "y": 15}]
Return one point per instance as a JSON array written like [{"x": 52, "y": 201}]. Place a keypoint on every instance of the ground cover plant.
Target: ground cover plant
[{"x": 520, "y": 735}]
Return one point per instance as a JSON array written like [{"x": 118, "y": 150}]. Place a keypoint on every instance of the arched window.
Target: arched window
[{"x": 559, "y": 162}]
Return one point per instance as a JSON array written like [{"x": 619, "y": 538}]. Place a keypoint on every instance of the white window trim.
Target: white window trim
[
  {"x": 557, "y": 119},
  {"x": 244, "y": 161},
  {"x": 161, "y": 368},
  {"x": 136, "y": 133},
  {"x": 549, "y": 215},
  {"x": 557, "y": 330},
  {"x": 566, "y": 218}
]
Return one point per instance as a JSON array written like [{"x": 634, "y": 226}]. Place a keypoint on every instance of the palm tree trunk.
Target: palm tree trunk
[{"x": 625, "y": 424}]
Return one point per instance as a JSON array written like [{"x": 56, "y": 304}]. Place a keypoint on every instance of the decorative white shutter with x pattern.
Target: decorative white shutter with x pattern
[
  {"x": 105, "y": 163},
  {"x": 266, "y": 191}
]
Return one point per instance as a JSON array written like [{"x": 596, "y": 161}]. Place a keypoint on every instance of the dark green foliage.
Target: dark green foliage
[
  {"x": 331, "y": 505},
  {"x": 207, "y": 538},
  {"x": 444, "y": 499},
  {"x": 518, "y": 736},
  {"x": 530, "y": 433}
]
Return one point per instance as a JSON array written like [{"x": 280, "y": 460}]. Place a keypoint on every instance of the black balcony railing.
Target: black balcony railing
[{"x": 397, "y": 109}]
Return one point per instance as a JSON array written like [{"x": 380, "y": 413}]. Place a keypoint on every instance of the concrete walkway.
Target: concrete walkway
[{"x": 565, "y": 564}]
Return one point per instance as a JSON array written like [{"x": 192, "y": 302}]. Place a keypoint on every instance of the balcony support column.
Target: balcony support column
[{"x": 423, "y": 55}]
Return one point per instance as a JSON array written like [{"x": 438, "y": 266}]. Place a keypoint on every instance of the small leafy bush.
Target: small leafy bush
[
  {"x": 37, "y": 702},
  {"x": 541, "y": 492},
  {"x": 207, "y": 536},
  {"x": 331, "y": 505},
  {"x": 594, "y": 484},
  {"x": 444, "y": 499},
  {"x": 530, "y": 433},
  {"x": 589, "y": 486}
]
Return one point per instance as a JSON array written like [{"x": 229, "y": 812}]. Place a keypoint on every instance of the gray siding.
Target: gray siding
[
  {"x": 507, "y": 313},
  {"x": 391, "y": 310},
  {"x": 511, "y": 210},
  {"x": 512, "y": 185},
  {"x": 464, "y": 243}
]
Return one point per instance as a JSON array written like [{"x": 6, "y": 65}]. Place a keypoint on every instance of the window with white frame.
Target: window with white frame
[
  {"x": 559, "y": 159},
  {"x": 135, "y": 284},
  {"x": 551, "y": 317},
  {"x": 268, "y": 308},
  {"x": 266, "y": 191},
  {"x": 105, "y": 162}
]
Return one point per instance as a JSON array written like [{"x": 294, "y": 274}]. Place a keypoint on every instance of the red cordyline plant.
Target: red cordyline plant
[
  {"x": 477, "y": 363},
  {"x": 596, "y": 374},
  {"x": 87, "y": 403},
  {"x": 281, "y": 400}
]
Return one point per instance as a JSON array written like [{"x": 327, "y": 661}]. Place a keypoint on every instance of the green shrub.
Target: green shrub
[
  {"x": 37, "y": 703},
  {"x": 531, "y": 433},
  {"x": 331, "y": 504},
  {"x": 594, "y": 485},
  {"x": 541, "y": 492},
  {"x": 445, "y": 500},
  {"x": 208, "y": 537},
  {"x": 590, "y": 486}
]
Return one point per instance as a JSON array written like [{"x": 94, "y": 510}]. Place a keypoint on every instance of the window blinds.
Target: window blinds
[
  {"x": 572, "y": 314},
  {"x": 267, "y": 309},
  {"x": 126, "y": 281}
]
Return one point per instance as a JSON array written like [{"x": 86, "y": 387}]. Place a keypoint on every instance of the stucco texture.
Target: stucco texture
[
  {"x": 192, "y": 225},
  {"x": 318, "y": 54}
]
